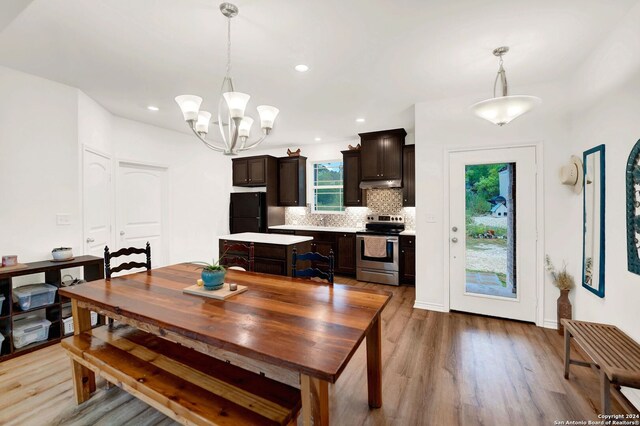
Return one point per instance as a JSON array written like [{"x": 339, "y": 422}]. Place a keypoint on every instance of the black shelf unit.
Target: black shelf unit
[{"x": 93, "y": 270}]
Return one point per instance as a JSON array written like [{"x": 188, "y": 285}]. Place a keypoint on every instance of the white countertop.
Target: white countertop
[
  {"x": 408, "y": 232},
  {"x": 277, "y": 239},
  {"x": 315, "y": 228}
]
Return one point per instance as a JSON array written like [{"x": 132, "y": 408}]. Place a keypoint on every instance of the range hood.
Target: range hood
[{"x": 381, "y": 184}]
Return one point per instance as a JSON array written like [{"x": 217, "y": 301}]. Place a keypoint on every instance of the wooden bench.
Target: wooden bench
[
  {"x": 188, "y": 386},
  {"x": 614, "y": 354}
]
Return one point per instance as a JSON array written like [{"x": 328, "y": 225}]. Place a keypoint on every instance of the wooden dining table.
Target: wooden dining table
[{"x": 296, "y": 331}]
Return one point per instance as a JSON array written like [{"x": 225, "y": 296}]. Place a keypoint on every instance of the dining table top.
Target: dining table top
[{"x": 302, "y": 325}]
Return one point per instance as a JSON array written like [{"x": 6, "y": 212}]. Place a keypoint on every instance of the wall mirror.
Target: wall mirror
[
  {"x": 593, "y": 221},
  {"x": 633, "y": 210}
]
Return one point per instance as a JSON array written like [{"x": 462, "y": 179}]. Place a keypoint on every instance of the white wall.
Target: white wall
[
  {"x": 44, "y": 126},
  {"x": 448, "y": 124},
  {"x": 199, "y": 185},
  {"x": 38, "y": 166},
  {"x": 607, "y": 88}
]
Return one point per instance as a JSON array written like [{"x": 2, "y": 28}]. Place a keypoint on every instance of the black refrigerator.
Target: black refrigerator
[{"x": 248, "y": 212}]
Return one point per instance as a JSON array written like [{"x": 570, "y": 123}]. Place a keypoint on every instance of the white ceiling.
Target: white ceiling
[{"x": 372, "y": 59}]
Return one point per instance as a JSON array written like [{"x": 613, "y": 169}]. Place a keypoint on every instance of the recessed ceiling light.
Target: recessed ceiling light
[
  {"x": 301, "y": 68},
  {"x": 153, "y": 108},
  {"x": 318, "y": 139},
  {"x": 360, "y": 120}
]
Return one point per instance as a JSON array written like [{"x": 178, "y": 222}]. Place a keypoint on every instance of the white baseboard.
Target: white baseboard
[
  {"x": 633, "y": 395},
  {"x": 430, "y": 306},
  {"x": 550, "y": 324}
]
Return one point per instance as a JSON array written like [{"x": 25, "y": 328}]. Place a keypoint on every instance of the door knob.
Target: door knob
[
  {"x": 90, "y": 240},
  {"x": 454, "y": 229},
  {"x": 454, "y": 240},
  {"x": 121, "y": 232}
]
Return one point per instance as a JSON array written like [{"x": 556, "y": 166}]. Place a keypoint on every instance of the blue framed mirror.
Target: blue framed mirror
[{"x": 593, "y": 220}]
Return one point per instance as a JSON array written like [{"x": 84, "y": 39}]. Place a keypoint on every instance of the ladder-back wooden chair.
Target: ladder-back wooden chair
[
  {"x": 313, "y": 271},
  {"x": 238, "y": 256},
  {"x": 108, "y": 270}
]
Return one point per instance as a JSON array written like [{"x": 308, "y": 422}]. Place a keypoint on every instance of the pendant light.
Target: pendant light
[
  {"x": 233, "y": 124},
  {"x": 503, "y": 109}
]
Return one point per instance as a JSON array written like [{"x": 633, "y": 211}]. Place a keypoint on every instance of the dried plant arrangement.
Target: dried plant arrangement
[{"x": 561, "y": 278}]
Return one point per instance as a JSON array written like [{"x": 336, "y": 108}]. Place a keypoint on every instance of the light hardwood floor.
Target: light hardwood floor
[{"x": 439, "y": 369}]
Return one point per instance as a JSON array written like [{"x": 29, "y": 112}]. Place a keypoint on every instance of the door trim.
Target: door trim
[
  {"x": 166, "y": 211},
  {"x": 540, "y": 246},
  {"x": 86, "y": 148}
]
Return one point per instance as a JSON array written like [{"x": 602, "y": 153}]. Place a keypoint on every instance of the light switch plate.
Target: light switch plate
[
  {"x": 63, "y": 219},
  {"x": 431, "y": 218}
]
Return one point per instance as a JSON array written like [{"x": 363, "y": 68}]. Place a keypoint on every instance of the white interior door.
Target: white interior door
[
  {"x": 492, "y": 233},
  {"x": 141, "y": 205},
  {"x": 97, "y": 202}
]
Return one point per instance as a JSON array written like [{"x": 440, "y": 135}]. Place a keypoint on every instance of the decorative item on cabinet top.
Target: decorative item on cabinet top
[
  {"x": 295, "y": 153},
  {"x": 633, "y": 210},
  {"x": 354, "y": 148}
]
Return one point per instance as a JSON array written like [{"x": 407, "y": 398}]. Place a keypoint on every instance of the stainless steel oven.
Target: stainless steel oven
[{"x": 385, "y": 269}]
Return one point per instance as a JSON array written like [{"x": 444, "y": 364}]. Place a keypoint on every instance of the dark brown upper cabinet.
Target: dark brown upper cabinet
[
  {"x": 292, "y": 181},
  {"x": 381, "y": 155},
  {"x": 250, "y": 171},
  {"x": 409, "y": 176},
  {"x": 353, "y": 195}
]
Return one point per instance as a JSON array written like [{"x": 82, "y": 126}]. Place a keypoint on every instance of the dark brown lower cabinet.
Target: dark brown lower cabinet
[
  {"x": 271, "y": 258},
  {"x": 408, "y": 259},
  {"x": 271, "y": 266},
  {"x": 342, "y": 244},
  {"x": 346, "y": 260}
]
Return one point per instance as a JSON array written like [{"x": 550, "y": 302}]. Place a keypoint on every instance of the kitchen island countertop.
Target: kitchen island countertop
[{"x": 277, "y": 239}]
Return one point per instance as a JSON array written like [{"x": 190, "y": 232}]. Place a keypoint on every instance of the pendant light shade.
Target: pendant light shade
[
  {"x": 503, "y": 109},
  {"x": 189, "y": 105},
  {"x": 237, "y": 103},
  {"x": 268, "y": 115}
]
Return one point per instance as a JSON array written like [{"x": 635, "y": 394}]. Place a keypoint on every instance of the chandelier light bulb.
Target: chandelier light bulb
[
  {"x": 268, "y": 115},
  {"x": 244, "y": 130},
  {"x": 202, "y": 125},
  {"x": 189, "y": 105},
  {"x": 237, "y": 103}
]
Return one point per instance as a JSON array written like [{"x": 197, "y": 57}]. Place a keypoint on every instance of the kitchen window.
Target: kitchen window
[{"x": 327, "y": 187}]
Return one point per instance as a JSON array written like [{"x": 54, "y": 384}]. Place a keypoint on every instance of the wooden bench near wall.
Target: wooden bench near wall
[
  {"x": 190, "y": 387},
  {"x": 613, "y": 354}
]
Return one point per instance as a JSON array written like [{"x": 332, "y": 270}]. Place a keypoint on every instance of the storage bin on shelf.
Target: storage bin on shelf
[
  {"x": 30, "y": 330},
  {"x": 34, "y": 295},
  {"x": 68, "y": 323}
]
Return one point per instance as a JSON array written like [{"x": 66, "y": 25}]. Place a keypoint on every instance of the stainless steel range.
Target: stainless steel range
[{"x": 377, "y": 249}]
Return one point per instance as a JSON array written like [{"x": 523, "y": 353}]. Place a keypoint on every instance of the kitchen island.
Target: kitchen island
[{"x": 272, "y": 252}]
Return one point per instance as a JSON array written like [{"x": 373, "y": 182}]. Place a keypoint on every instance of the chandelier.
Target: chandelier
[
  {"x": 503, "y": 109},
  {"x": 234, "y": 125}
]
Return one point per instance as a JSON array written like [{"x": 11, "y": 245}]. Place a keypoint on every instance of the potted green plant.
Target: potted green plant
[
  {"x": 212, "y": 274},
  {"x": 564, "y": 281}
]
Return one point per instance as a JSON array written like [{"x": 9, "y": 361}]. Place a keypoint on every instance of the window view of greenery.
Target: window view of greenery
[
  {"x": 487, "y": 187},
  {"x": 327, "y": 187}
]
